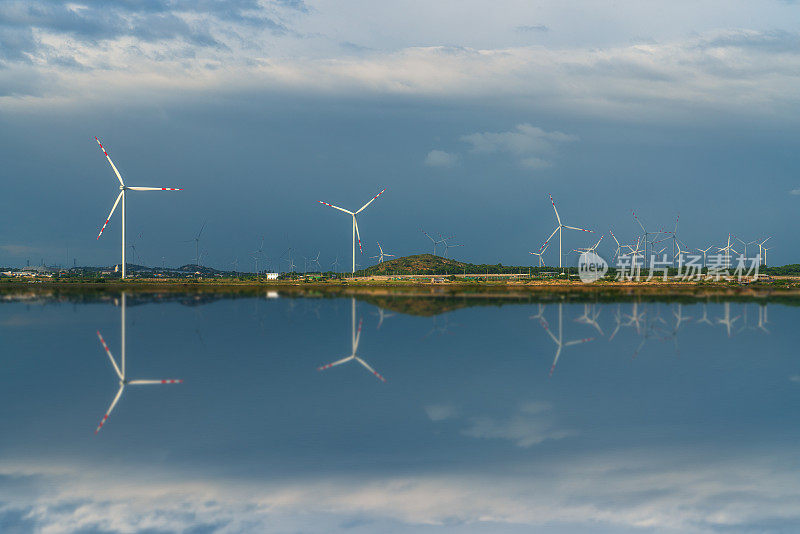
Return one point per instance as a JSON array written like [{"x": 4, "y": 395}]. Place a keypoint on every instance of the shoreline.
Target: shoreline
[{"x": 781, "y": 287}]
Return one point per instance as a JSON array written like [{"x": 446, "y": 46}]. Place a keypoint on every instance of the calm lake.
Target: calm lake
[{"x": 446, "y": 415}]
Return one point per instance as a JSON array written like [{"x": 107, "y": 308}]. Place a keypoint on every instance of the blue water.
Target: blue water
[{"x": 657, "y": 417}]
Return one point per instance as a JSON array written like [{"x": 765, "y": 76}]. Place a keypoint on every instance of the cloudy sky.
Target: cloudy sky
[{"x": 469, "y": 112}]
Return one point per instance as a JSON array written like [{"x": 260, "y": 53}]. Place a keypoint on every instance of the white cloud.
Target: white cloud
[
  {"x": 532, "y": 424},
  {"x": 526, "y": 142},
  {"x": 440, "y": 412},
  {"x": 738, "y": 71},
  {"x": 657, "y": 490},
  {"x": 795, "y": 378},
  {"x": 795, "y": 191},
  {"x": 440, "y": 158}
]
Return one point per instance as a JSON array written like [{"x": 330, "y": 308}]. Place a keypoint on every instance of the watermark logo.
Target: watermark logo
[{"x": 591, "y": 267}]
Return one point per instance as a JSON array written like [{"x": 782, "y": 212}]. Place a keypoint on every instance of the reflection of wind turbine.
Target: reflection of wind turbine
[
  {"x": 121, "y": 196},
  {"x": 381, "y": 316},
  {"x": 559, "y": 229},
  {"x": 559, "y": 340},
  {"x": 355, "y": 224},
  {"x": 120, "y": 370},
  {"x": 589, "y": 317},
  {"x": 726, "y": 319},
  {"x": 356, "y": 337}
]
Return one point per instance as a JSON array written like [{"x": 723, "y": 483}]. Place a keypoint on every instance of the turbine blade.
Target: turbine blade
[
  {"x": 370, "y": 369},
  {"x": 578, "y": 341},
  {"x": 336, "y": 207},
  {"x": 337, "y": 362},
  {"x": 154, "y": 189},
  {"x": 111, "y": 162},
  {"x": 110, "y": 356},
  {"x": 162, "y": 381},
  {"x": 110, "y": 214},
  {"x": 358, "y": 336},
  {"x": 110, "y": 408},
  {"x": 554, "y": 209},
  {"x": 547, "y": 329},
  {"x": 370, "y": 202},
  {"x": 358, "y": 235},
  {"x": 581, "y": 229},
  {"x": 544, "y": 245}
]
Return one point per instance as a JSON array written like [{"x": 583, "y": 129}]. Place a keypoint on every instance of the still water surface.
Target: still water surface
[{"x": 558, "y": 417}]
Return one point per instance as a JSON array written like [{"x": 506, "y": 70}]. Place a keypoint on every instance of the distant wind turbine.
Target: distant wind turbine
[
  {"x": 121, "y": 196},
  {"x": 382, "y": 254},
  {"x": 355, "y": 223}
]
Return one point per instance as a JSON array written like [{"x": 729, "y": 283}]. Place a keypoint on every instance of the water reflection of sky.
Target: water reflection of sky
[{"x": 683, "y": 421}]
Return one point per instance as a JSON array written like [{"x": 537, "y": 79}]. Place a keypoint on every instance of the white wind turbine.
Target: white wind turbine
[
  {"x": 541, "y": 251},
  {"x": 382, "y": 254},
  {"x": 705, "y": 251},
  {"x": 727, "y": 250},
  {"x": 121, "y": 196},
  {"x": 593, "y": 248},
  {"x": 356, "y": 337},
  {"x": 120, "y": 369},
  {"x": 433, "y": 241},
  {"x": 762, "y": 250},
  {"x": 355, "y": 224},
  {"x": 559, "y": 229},
  {"x": 619, "y": 246}
]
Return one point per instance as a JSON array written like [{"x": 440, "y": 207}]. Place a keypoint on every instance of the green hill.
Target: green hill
[
  {"x": 430, "y": 264},
  {"x": 418, "y": 264}
]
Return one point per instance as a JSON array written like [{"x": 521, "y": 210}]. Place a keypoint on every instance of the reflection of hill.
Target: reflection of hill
[{"x": 422, "y": 301}]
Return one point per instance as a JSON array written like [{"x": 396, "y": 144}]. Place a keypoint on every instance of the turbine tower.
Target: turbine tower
[
  {"x": 355, "y": 224},
  {"x": 559, "y": 230},
  {"x": 121, "y": 196}
]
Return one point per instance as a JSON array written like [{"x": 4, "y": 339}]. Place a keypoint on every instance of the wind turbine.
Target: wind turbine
[
  {"x": 257, "y": 253},
  {"x": 432, "y": 241},
  {"x": 335, "y": 264},
  {"x": 619, "y": 246},
  {"x": 382, "y": 254},
  {"x": 761, "y": 249},
  {"x": 727, "y": 250},
  {"x": 132, "y": 246},
  {"x": 196, "y": 240},
  {"x": 646, "y": 233},
  {"x": 121, "y": 196},
  {"x": 541, "y": 251},
  {"x": 315, "y": 259},
  {"x": 447, "y": 245},
  {"x": 120, "y": 369},
  {"x": 559, "y": 229},
  {"x": 355, "y": 223},
  {"x": 593, "y": 248},
  {"x": 705, "y": 251},
  {"x": 356, "y": 337}
]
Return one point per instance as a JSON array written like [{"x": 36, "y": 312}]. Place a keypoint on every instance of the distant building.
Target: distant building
[{"x": 272, "y": 276}]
